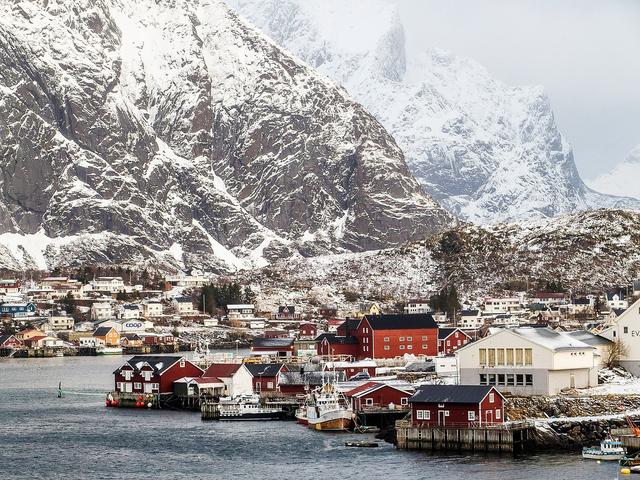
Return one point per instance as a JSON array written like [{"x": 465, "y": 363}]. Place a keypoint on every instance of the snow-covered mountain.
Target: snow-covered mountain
[
  {"x": 486, "y": 151},
  {"x": 622, "y": 178},
  {"x": 174, "y": 134}
]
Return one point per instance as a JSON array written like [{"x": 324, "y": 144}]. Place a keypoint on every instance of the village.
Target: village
[{"x": 434, "y": 379}]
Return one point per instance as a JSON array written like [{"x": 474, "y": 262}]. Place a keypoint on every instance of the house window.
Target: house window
[
  {"x": 614, "y": 333},
  {"x": 498, "y": 414},
  {"x": 424, "y": 347},
  {"x": 471, "y": 415},
  {"x": 483, "y": 356},
  {"x": 404, "y": 401},
  {"x": 626, "y": 329},
  {"x": 528, "y": 380},
  {"x": 409, "y": 347},
  {"x": 401, "y": 339},
  {"x": 424, "y": 338},
  {"x": 501, "y": 379},
  {"x": 147, "y": 376},
  {"x": 441, "y": 405},
  {"x": 483, "y": 379},
  {"x": 448, "y": 343},
  {"x": 386, "y": 339},
  {"x": 426, "y": 414},
  {"x": 409, "y": 339},
  {"x": 519, "y": 380},
  {"x": 270, "y": 385},
  {"x": 528, "y": 356},
  {"x": 519, "y": 359},
  {"x": 492, "y": 357},
  {"x": 137, "y": 385},
  {"x": 510, "y": 356},
  {"x": 492, "y": 397},
  {"x": 387, "y": 347},
  {"x": 127, "y": 374},
  {"x": 182, "y": 363},
  {"x": 401, "y": 347},
  {"x": 501, "y": 356},
  {"x": 492, "y": 379},
  {"x": 419, "y": 415}
]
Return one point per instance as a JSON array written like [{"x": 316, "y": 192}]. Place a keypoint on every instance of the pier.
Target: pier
[{"x": 513, "y": 437}]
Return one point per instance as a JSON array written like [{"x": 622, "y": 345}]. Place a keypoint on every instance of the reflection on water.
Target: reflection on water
[{"x": 77, "y": 437}]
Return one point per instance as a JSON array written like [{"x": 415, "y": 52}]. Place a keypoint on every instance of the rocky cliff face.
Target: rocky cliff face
[
  {"x": 486, "y": 151},
  {"x": 174, "y": 134}
]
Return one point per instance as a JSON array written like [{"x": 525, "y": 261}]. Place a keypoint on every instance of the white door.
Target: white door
[
  {"x": 148, "y": 388},
  {"x": 128, "y": 387}
]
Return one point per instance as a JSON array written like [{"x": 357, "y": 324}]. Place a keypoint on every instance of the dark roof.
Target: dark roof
[
  {"x": 450, "y": 393},
  {"x": 132, "y": 336},
  {"x": 323, "y": 335},
  {"x": 222, "y": 370},
  {"x": 469, "y": 313},
  {"x": 101, "y": 331},
  {"x": 445, "y": 332},
  {"x": 581, "y": 301},
  {"x": 348, "y": 340},
  {"x": 272, "y": 342},
  {"x": 350, "y": 324},
  {"x": 618, "y": 311},
  {"x": 4, "y": 338},
  {"x": 589, "y": 338},
  {"x": 401, "y": 321},
  {"x": 159, "y": 363},
  {"x": 310, "y": 378},
  {"x": 286, "y": 309},
  {"x": 183, "y": 299},
  {"x": 264, "y": 369}
]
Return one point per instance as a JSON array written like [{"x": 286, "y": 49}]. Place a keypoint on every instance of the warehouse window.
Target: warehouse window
[
  {"x": 519, "y": 380},
  {"x": 500, "y": 356},
  {"x": 492, "y": 357},
  {"x": 528, "y": 379},
  {"x": 528, "y": 356},
  {"x": 471, "y": 415},
  {"x": 519, "y": 359},
  {"x": 483, "y": 356},
  {"x": 510, "y": 380},
  {"x": 510, "y": 356},
  {"x": 483, "y": 379}
]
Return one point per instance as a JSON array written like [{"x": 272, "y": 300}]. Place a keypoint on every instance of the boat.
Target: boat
[
  {"x": 361, "y": 444},
  {"x": 609, "y": 449},
  {"x": 301, "y": 415},
  {"x": 109, "y": 350},
  {"x": 329, "y": 410},
  {"x": 631, "y": 461},
  {"x": 248, "y": 407}
]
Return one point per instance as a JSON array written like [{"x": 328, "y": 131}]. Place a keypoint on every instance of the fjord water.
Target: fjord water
[{"x": 44, "y": 437}]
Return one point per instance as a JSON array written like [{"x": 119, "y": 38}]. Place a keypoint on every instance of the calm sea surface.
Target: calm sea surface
[{"x": 44, "y": 437}]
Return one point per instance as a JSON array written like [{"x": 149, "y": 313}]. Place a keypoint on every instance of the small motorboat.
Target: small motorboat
[
  {"x": 361, "y": 444},
  {"x": 609, "y": 449}
]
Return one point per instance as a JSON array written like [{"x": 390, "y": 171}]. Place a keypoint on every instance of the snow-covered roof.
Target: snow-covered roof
[{"x": 550, "y": 339}]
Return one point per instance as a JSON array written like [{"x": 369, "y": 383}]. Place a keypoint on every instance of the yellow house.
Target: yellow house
[
  {"x": 368, "y": 309},
  {"x": 108, "y": 335},
  {"x": 30, "y": 333}
]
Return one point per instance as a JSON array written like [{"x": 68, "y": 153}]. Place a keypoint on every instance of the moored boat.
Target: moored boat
[
  {"x": 329, "y": 410},
  {"x": 248, "y": 407},
  {"x": 109, "y": 351},
  {"x": 609, "y": 449}
]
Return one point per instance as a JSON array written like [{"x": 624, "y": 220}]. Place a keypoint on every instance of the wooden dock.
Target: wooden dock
[
  {"x": 625, "y": 435},
  {"x": 509, "y": 437}
]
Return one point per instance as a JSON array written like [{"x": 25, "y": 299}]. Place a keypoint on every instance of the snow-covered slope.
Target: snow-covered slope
[
  {"x": 622, "y": 179},
  {"x": 486, "y": 151},
  {"x": 172, "y": 133}
]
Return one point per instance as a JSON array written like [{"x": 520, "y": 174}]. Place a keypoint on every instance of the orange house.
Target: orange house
[
  {"x": 108, "y": 335},
  {"x": 29, "y": 333}
]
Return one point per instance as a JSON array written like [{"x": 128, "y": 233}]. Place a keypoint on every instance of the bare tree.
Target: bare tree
[{"x": 614, "y": 353}]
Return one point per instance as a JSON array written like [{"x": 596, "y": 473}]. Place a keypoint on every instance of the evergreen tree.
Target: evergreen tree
[{"x": 68, "y": 303}]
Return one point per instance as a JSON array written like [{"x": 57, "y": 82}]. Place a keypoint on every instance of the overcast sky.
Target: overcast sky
[{"x": 586, "y": 53}]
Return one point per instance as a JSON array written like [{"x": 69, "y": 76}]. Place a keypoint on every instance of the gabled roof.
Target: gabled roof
[
  {"x": 183, "y": 299},
  {"x": 451, "y": 393},
  {"x": 272, "y": 342},
  {"x": 339, "y": 340},
  {"x": 444, "y": 333},
  {"x": 102, "y": 331},
  {"x": 370, "y": 387},
  {"x": 131, "y": 336},
  {"x": 589, "y": 338},
  {"x": 544, "y": 337},
  {"x": 401, "y": 321},
  {"x": 264, "y": 369},
  {"x": 349, "y": 324},
  {"x": 222, "y": 370},
  {"x": 5, "y": 338},
  {"x": 310, "y": 378},
  {"x": 159, "y": 363}
]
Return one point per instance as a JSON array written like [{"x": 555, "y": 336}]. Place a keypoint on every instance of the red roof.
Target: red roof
[
  {"x": 207, "y": 380},
  {"x": 222, "y": 370},
  {"x": 361, "y": 388}
]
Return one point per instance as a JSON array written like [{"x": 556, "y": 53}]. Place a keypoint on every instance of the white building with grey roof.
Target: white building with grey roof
[{"x": 529, "y": 361}]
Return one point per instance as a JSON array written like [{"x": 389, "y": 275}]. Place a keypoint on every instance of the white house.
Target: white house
[
  {"x": 600, "y": 343},
  {"x": 528, "y": 361},
  {"x": 502, "y": 305},
  {"x": 128, "y": 312},
  {"x": 616, "y": 301},
  {"x": 235, "y": 376},
  {"x": 195, "y": 279},
  {"x": 241, "y": 312},
  {"x": 470, "y": 320},
  {"x": 183, "y": 305},
  {"x": 101, "y": 311},
  {"x": 416, "y": 306},
  {"x": 107, "y": 284},
  {"x": 152, "y": 309},
  {"x": 626, "y": 329},
  {"x": 60, "y": 321}
]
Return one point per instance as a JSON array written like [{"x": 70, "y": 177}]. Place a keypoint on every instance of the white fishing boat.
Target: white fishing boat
[
  {"x": 609, "y": 449},
  {"x": 329, "y": 410},
  {"x": 103, "y": 350},
  {"x": 248, "y": 407}
]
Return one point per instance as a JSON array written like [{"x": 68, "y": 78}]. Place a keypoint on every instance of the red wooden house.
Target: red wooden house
[
  {"x": 307, "y": 330},
  {"x": 266, "y": 376},
  {"x": 153, "y": 374},
  {"x": 282, "y": 347},
  {"x": 347, "y": 327},
  {"x": 10, "y": 341},
  {"x": 451, "y": 339},
  {"x": 378, "y": 395},
  {"x": 389, "y": 336},
  {"x": 330, "y": 344},
  {"x": 456, "y": 405}
]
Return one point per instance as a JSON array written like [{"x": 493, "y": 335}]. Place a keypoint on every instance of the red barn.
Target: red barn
[
  {"x": 329, "y": 344},
  {"x": 456, "y": 405},
  {"x": 389, "y": 336},
  {"x": 266, "y": 376},
  {"x": 308, "y": 330},
  {"x": 153, "y": 374},
  {"x": 378, "y": 395},
  {"x": 451, "y": 339}
]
